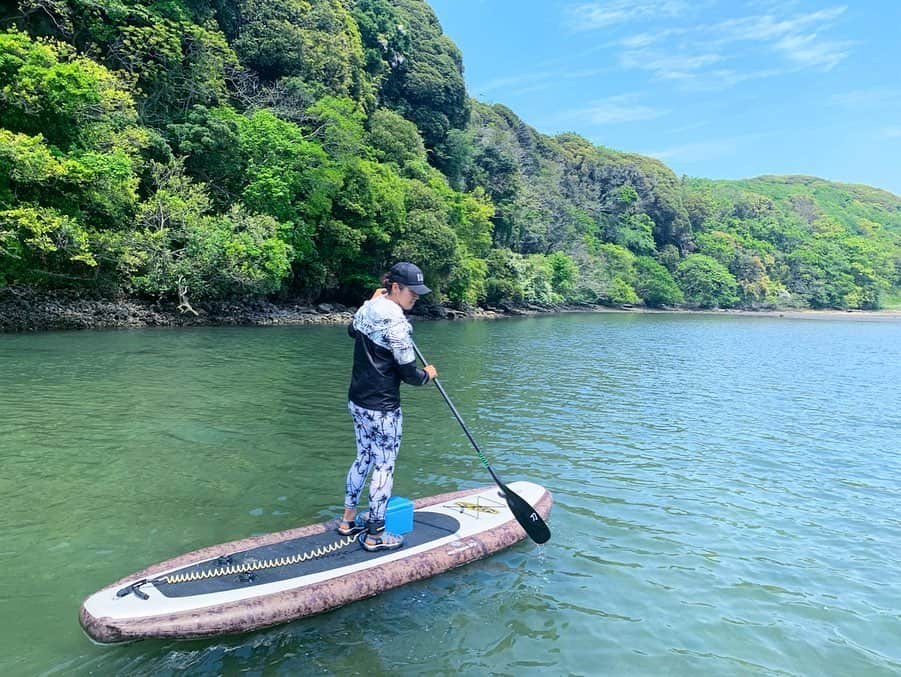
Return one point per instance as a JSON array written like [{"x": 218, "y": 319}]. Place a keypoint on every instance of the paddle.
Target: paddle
[{"x": 524, "y": 513}]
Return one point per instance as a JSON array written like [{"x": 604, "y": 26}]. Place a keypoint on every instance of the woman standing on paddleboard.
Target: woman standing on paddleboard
[{"x": 383, "y": 357}]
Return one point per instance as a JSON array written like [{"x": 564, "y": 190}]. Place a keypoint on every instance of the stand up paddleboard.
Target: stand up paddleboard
[{"x": 266, "y": 580}]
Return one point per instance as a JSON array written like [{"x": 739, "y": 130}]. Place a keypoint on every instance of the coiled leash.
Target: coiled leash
[{"x": 245, "y": 570}]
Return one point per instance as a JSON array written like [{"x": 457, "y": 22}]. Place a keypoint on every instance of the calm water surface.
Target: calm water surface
[{"x": 728, "y": 493}]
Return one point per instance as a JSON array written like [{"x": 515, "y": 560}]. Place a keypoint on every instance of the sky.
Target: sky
[{"x": 721, "y": 89}]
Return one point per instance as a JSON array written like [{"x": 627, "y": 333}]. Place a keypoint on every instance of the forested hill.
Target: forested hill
[{"x": 215, "y": 148}]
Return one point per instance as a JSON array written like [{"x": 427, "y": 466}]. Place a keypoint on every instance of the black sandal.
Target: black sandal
[
  {"x": 348, "y": 528},
  {"x": 383, "y": 541}
]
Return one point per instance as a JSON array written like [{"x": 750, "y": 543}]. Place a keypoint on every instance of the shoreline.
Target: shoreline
[
  {"x": 24, "y": 310},
  {"x": 787, "y": 313}
]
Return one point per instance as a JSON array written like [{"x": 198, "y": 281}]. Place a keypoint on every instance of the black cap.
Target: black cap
[{"x": 408, "y": 275}]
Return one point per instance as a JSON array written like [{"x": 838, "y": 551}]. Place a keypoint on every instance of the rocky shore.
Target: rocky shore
[{"x": 25, "y": 310}]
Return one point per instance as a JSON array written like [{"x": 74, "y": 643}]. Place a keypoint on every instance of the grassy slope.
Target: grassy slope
[{"x": 845, "y": 202}]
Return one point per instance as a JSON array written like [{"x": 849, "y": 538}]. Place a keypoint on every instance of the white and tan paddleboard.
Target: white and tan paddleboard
[{"x": 266, "y": 580}]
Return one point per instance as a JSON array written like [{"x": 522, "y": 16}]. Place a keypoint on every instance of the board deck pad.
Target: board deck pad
[{"x": 427, "y": 526}]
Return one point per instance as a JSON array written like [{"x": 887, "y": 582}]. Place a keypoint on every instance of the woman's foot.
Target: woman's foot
[
  {"x": 380, "y": 541},
  {"x": 347, "y": 527}
]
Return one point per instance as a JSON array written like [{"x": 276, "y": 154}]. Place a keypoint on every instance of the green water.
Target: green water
[{"x": 728, "y": 493}]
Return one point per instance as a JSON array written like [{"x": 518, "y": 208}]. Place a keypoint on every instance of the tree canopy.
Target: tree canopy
[{"x": 222, "y": 147}]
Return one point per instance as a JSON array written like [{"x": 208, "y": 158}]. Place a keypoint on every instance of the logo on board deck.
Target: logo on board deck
[{"x": 464, "y": 505}]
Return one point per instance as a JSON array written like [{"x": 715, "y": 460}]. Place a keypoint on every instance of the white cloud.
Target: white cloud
[
  {"x": 526, "y": 81},
  {"x": 719, "y": 79},
  {"x": 668, "y": 66},
  {"x": 707, "y": 56},
  {"x": 643, "y": 40},
  {"x": 806, "y": 51},
  {"x": 522, "y": 91},
  {"x": 593, "y": 15},
  {"x": 690, "y": 127},
  {"x": 615, "y": 110},
  {"x": 797, "y": 37},
  {"x": 696, "y": 152},
  {"x": 766, "y": 27},
  {"x": 876, "y": 98},
  {"x": 584, "y": 73},
  {"x": 517, "y": 85},
  {"x": 712, "y": 149}
]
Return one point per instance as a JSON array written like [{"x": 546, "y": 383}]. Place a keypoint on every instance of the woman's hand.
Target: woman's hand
[{"x": 431, "y": 371}]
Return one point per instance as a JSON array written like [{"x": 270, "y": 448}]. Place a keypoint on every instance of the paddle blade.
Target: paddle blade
[{"x": 527, "y": 516}]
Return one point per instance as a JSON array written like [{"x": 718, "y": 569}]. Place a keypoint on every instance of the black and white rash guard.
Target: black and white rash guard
[{"x": 383, "y": 356}]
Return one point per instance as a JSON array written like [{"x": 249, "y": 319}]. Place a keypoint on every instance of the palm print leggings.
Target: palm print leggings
[{"x": 378, "y": 441}]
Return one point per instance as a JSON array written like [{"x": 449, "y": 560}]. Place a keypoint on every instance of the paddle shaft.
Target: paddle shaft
[
  {"x": 472, "y": 440},
  {"x": 525, "y": 514}
]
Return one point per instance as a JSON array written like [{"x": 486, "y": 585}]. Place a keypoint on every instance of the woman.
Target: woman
[{"x": 383, "y": 357}]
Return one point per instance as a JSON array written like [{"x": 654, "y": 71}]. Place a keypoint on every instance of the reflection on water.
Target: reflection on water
[{"x": 727, "y": 492}]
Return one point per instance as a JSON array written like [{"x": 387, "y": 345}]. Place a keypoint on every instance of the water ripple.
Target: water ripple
[{"x": 726, "y": 493}]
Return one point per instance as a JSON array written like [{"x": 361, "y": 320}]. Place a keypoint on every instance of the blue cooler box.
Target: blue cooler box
[{"x": 399, "y": 515}]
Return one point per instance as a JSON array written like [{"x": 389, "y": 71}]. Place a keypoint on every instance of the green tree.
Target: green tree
[
  {"x": 419, "y": 71},
  {"x": 636, "y": 233},
  {"x": 176, "y": 63},
  {"x": 314, "y": 40},
  {"x": 470, "y": 217},
  {"x": 564, "y": 274},
  {"x": 426, "y": 236},
  {"x": 209, "y": 141},
  {"x": 337, "y": 124},
  {"x": 354, "y": 242},
  {"x": 395, "y": 139},
  {"x": 39, "y": 245},
  {"x": 287, "y": 177},
  {"x": 655, "y": 285},
  {"x": 49, "y": 90},
  {"x": 467, "y": 284},
  {"x": 606, "y": 274},
  {"x": 56, "y": 190},
  {"x": 706, "y": 282},
  {"x": 503, "y": 284},
  {"x": 179, "y": 248}
]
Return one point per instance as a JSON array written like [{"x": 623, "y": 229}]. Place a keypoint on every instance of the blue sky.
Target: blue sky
[{"x": 714, "y": 88}]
